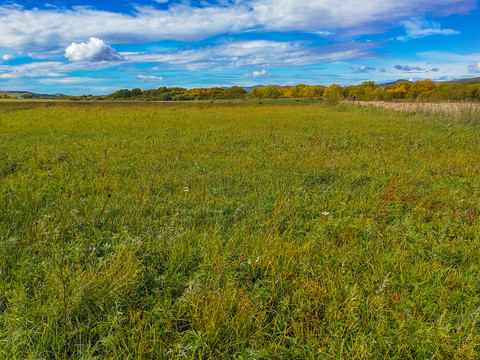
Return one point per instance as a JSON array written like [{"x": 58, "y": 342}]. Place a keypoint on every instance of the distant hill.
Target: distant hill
[
  {"x": 454, "y": 81},
  {"x": 385, "y": 85},
  {"x": 460, "y": 81},
  {"x": 249, "y": 89},
  {"x": 26, "y": 94}
]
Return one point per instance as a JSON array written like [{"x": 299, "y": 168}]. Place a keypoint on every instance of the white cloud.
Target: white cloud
[
  {"x": 68, "y": 80},
  {"x": 314, "y": 15},
  {"x": 93, "y": 50},
  {"x": 53, "y": 29},
  {"x": 227, "y": 55},
  {"x": 323, "y": 33},
  {"x": 259, "y": 73},
  {"x": 7, "y": 57},
  {"x": 257, "y": 53},
  {"x": 37, "y": 69},
  {"x": 419, "y": 28},
  {"x": 256, "y": 73},
  {"x": 48, "y": 69},
  {"x": 150, "y": 77}
]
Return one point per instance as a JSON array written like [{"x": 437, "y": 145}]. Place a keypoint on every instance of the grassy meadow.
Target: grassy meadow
[{"x": 237, "y": 231}]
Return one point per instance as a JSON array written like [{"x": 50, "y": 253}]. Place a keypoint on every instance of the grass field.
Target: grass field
[{"x": 237, "y": 231}]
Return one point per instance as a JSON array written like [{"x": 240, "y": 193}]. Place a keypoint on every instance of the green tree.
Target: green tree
[
  {"x": 136, "y": 92},
  {"x": 237, "y": 92}
]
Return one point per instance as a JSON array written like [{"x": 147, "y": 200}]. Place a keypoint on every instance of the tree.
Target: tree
[
  {"x": 398, "y": 90},
  {"x": 333, "y": 94},
  {"x": 257, "y": 93},
  {"x": 121, "y": 94},
  {"x": 237, "y": 92},
  {"x": 272, "y": 91},
  {"x": 136, "y": 92}
]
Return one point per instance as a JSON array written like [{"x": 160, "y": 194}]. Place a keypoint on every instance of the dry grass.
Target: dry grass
[{"x": 457, "y": 110}]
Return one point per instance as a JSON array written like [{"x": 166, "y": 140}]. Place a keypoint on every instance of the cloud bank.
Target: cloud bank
[
  {"x": 256, "y": 53},
  {"x": 50, "y": 29}
]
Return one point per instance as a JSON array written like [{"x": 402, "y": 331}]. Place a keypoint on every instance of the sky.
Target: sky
[{"x": 96, "y": 47}]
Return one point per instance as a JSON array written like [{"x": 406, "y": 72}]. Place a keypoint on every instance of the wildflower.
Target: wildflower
[
  {"x": 249, "y": 261},
  {"x": 326, "y": 213},
  {"x": 258, "y": 258},
  {"x": 186, "y": 189},
  {"x": 343, "y": 203}
]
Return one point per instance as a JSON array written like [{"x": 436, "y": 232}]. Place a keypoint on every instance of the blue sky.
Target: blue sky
[{"x": 96, "y": 47}]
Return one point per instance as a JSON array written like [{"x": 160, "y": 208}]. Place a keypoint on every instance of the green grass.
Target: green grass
[{"x": 245, "y": 231}]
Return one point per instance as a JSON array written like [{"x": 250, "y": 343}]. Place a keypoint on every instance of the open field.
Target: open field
[{"x": 237, "y": 231}]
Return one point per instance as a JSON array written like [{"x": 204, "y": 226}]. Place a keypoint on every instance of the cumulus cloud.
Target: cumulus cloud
[
  {"x": 259, "y": 73},
  {"x": 256, "y": 73},
  {"x": 148, "y": 24},
  {"x": 419, "y": 28},
  {"x": 408, "y": 68},
  {"x": 93, "y": 50}
]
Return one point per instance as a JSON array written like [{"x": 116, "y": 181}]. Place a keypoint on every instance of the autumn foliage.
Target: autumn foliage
[{"x": 422, "y": 90}]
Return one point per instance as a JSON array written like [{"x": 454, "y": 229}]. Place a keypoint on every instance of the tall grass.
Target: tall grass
[
  {"x": 191, "y": 231},
  {"x": 463, "y": 112}
]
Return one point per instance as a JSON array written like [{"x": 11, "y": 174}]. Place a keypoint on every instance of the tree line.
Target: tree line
[{"x": 422, "y": 90}]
